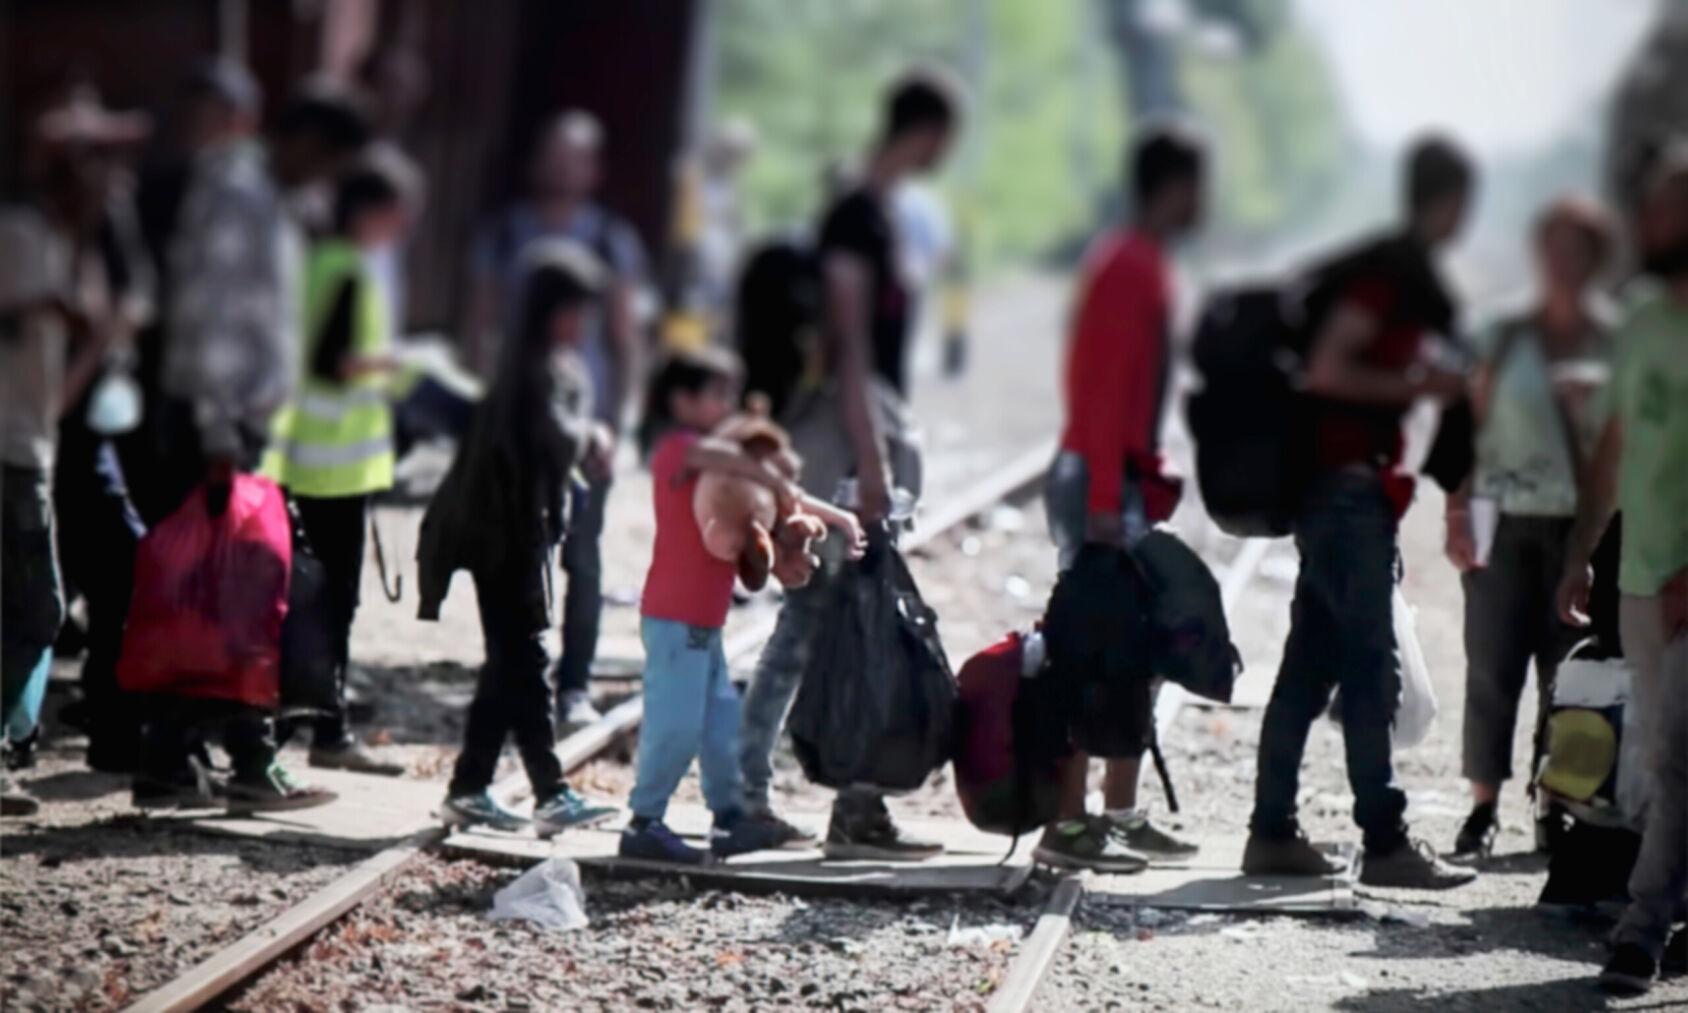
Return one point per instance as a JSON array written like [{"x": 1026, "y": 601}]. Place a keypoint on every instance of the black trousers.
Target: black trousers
[
  {"x": 335, "y": 528},
  {"x": 1510, "y": 619},
  {"x": 515, "y": 695},
  {"x": 99, "y": 530}
]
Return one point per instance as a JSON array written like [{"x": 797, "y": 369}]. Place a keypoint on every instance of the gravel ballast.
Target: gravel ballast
[{"x": 426, "y": 943}]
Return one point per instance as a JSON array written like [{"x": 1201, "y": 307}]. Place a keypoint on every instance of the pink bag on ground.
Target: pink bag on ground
[{"x": 210, "y": 596}]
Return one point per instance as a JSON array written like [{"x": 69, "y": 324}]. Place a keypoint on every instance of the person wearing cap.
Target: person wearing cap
[
  {"x": 56, "y": 320},
  {"x": 564, "y": 178},
  {"x": 501, "y": 511}
]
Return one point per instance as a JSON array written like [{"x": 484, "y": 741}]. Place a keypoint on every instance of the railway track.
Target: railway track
[
  {"x": 254, "y": 952},
  {"x": 249, "y": 956}
]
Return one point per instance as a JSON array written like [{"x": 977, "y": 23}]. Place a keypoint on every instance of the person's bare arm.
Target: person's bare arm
[
  {"x": 726, "y": 458},
  {"x": 847, "y": 294},
  {"x": 1336, "y": 368},
  {"x": 1597, "y": 501}
]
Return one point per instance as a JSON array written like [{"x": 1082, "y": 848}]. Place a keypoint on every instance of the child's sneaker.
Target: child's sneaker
[
  {"x": 652, "y": 841},
  {"x": 786, "y": 833},
  {"x": 738, "y": 834},
  {"x": 568, "y": 808},
  {"x": 480, "y": 810}
]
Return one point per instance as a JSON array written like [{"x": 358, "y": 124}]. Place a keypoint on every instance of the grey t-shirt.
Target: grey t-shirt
[
  {"x": 35, "y": 264},
  {"x": 497, "y": 255}
]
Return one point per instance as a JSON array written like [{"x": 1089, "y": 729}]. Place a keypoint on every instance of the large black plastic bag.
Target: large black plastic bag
[
  {"x": 876, "y": 703},
  {"x": 310, "y": 669},
  {"x": 1101, "y": 653},
  {"x": 1191, "y": 639}
]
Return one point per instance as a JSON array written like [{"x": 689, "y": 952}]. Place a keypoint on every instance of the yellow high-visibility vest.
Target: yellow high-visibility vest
[{"x": 335, "y": 437}]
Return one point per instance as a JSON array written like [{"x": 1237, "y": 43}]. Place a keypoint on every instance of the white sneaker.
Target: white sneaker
[{"x": 575, "y": 710}]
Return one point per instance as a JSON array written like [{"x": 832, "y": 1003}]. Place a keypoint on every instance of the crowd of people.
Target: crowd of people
[{"x": 241, "y": 320}]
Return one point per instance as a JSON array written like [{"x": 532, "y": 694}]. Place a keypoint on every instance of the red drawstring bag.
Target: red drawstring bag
[{"x": 210, "y": 596}]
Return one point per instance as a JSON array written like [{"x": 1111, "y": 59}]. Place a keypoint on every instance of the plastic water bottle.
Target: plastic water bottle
[{"x": 848, "y": 496}]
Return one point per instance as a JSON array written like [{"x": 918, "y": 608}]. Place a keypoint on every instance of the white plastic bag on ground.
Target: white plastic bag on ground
[
  {"x": 1416, "y": 714},
  {"x": 549, "y": 893}
]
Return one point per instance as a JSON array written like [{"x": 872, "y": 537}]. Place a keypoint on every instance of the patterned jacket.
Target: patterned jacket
[{"x": 235, "y": 264}]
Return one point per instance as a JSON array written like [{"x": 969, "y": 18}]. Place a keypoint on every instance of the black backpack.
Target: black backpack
[
  {"x": 1251, "y": 426},
  {"x": 778, "y": 313},
  {"x": 1252, "y": 422}
]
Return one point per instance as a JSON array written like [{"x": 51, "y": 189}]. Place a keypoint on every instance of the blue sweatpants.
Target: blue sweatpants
[{"x": 691, "y": 710}]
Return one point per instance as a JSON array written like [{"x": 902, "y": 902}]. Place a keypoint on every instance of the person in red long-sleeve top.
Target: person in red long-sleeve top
[{"x": 1108, "y": 484}]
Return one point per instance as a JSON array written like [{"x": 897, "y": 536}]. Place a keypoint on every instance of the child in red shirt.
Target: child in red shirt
[{"x": 691, "y": 707}]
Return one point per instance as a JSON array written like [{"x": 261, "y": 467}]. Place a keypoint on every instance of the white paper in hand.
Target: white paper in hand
[{"x": 549, "y": 893}]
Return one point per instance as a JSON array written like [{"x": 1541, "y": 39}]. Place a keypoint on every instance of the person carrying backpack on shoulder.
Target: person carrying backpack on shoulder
[
  {"x": 1365, "y": 369},
  {"x": 500, "y": 512},
  {"x": 1531, "y": 447},
  {"x": 1107, "y": 485}
]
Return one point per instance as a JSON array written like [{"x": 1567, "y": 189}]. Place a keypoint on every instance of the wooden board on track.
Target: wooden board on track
[
  {"x": 1213, "y": 881},
  {"x": 371, "y": 813},
  {"x": 971, "y": 863}
]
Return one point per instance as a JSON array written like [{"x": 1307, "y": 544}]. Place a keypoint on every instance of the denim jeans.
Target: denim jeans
[
  {"x": 691, "y": 710},
  {"x": 1659, "y": 880},
  {"x": 583, "y": 601},
  {"x": 1341, "y": 635},
  {"x": 778, "y": 673}
]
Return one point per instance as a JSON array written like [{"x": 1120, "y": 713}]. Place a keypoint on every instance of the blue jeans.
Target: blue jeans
[
  {"x": 583, "y": 602},
  {"x": 778, "y": 672},
  {"x": 691, "y": 710},
  {"x": 1341, "y": 635}
]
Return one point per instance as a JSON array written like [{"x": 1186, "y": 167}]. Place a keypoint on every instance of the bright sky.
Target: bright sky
[{"x": 1502, "y": 75}]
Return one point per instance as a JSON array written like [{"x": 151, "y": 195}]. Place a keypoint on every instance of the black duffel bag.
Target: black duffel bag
[
  {"x": 876, "y": 703},
  {"x": 1100, "y": 649}
]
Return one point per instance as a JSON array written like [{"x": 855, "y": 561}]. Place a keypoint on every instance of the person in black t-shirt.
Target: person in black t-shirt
[{"x": 867, "y": 324}]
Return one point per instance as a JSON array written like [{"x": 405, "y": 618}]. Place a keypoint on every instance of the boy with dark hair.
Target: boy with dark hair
[
  {"x": 1108, "y": 485},
  {"x": 867, "y": 329},
  {"x": 332, "y": 447},
  {"x": 1365, "y": 369}
]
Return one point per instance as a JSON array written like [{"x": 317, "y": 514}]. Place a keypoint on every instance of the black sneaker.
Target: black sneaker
[
  {"x": 1476, "y": 839},
  {"x": 1286, "y": 856},
  {"x": 785, "y": 833},
  {"x": 1412, "y": 865},
  {"x": 737, "y": 834},
  {"x": 1089, "y": 842},
  {"x": 1631, "y": 971},
  {"x": 194, "y": 787},
  {"x": 874, "y": 836}
]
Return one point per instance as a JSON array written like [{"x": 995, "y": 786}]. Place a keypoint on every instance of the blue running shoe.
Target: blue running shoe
[
  {"x": 738, "y": 834},
  {"x": 652, "y": 841},
  {"x": 568, "y": 808},
  {"x": 479, "y": 810}
]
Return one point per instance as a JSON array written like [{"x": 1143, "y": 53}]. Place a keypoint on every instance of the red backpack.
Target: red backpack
[
  {"x": 1010, "y": 739},
  {"x": 210, "y": 598}
]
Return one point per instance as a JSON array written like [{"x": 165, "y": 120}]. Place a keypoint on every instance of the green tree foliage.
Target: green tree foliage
[{"x": 1046, "y": 120}]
